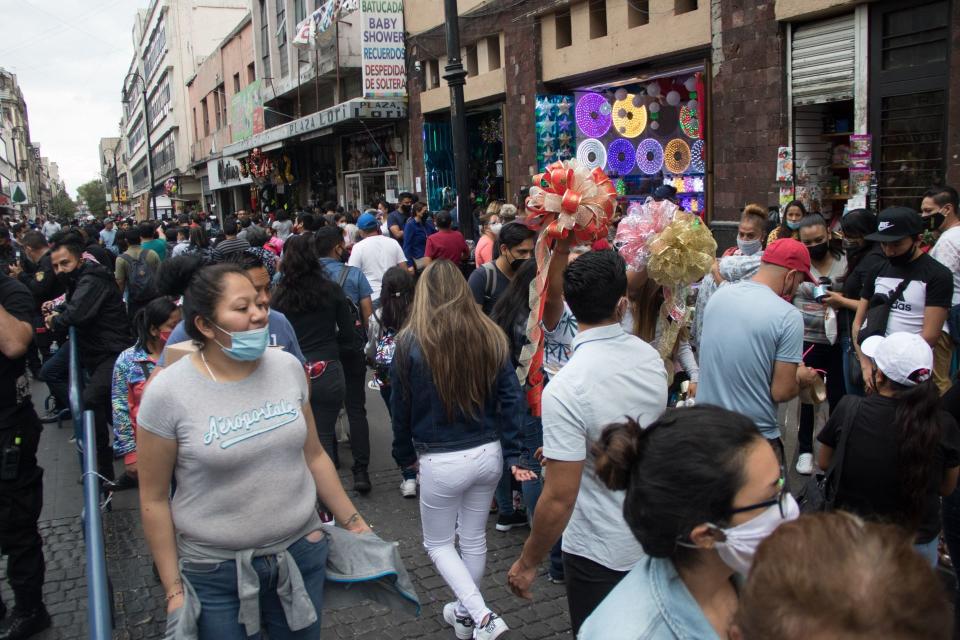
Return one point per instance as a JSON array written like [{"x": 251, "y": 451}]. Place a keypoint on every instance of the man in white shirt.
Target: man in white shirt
[
  {"x": 939, "y": 211},
  {"x": 50, "y": 227},
  {"x": 374, "y": 254},
  {"x": 611, "y": 375}
]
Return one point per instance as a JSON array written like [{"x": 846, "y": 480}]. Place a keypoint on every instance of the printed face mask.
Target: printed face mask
[{"x": 246, "y": 345}]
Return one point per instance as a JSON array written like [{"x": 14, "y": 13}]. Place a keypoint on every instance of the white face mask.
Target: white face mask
[
  {"x": 496, "y": 228},
  {"x": 738, "y": 549},
  {"x": 749, "y": 247}
]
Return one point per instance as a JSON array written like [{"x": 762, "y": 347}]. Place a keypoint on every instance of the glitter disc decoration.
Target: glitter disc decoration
[
  {"x": 649, "y": 156},
  {"x": 697, "y": 164},
  {"x": 621, "y": 156},
  {"x": 593, "y": 115},
  {"x": 676, "y": 157},
  {"x": 628, "y": 120},
  {"x": 689, "y": 123},
  {"x": 592, "y": 154}
]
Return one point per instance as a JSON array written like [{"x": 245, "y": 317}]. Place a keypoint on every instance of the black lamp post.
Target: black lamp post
[
  {"x": 146, "y": 123},
  {"x": 455, "y": 75}
]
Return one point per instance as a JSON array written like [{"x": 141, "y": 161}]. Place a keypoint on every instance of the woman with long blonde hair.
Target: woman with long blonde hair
[{"x": 456, "y": 410}]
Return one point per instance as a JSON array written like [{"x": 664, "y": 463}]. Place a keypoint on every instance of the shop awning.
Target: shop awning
[{"x": 351, "y": 112}]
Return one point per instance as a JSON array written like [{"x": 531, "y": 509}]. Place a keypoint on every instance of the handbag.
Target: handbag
[
  {"x": 878, "y": 312},
  {"x": 820, "y": 491}
]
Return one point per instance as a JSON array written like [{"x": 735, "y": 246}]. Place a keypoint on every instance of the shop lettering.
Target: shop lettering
[
  {"x": 381, "y": 37},
  {"x": 383, "y": 69},
  {"x": 384, "y": 84},
  {"x": 383, "y": 53},
  {"x": 227, "y": 172},
  {"x": 382, "y": 23},
  {"x": 381, "y": 6}
]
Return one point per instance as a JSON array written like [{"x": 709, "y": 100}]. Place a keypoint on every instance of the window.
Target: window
[
  {"x": 154, "y": 51},
  {"x": 564, "y": 35},
  {"x": 195, "y": 132},
  {"x": 300, "y": 10},
  {"x": 915, "y": 36},
  {"x": 282, "y": 37},
  {"x": 236, "y": 82},
  {"x": 136, "y": 136},
  {"x": 912, "y": 152},
  {"x": 164, "y": 155},
  {"x": 206, "y": 117},
  {"x": 223, "y": 105},
  {"x": 493, "y": 52},
  {"x": 251, "y": 73},
  {"x": 471, "y": 60},
  {"x": 638, "y": 13},
  {"x": 684, "y": 6},
  {"x": 140, "y": 175},
  {"x": 598, "y": 18},
  {"x": 158, "y": 101},
  {"x": 216, "y": 109},
  {"x": 432, "y": 71},
  {"x": 264, "y": 39}
]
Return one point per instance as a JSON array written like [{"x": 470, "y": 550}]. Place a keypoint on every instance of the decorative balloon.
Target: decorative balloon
[{"x": 673, "y": 98}]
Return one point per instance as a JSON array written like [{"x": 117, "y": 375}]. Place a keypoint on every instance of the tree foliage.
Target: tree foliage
[
  {"x": 61, "y": 206},
  {"x": 93, "y": 195}
]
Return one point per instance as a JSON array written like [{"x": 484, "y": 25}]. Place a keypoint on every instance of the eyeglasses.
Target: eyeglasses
[{"x": 778, "y": 500}]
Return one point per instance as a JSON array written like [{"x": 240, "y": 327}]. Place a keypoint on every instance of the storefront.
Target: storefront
[
  {"x": 371, "y": 167},
  {"x": 230, "y": 189},
  {"x": 643, "y": 132}
]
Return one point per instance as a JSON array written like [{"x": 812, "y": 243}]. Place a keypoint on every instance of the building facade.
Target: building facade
[
  {"x": 170, "y": 39},
  {"x": 21, "y": 171}
]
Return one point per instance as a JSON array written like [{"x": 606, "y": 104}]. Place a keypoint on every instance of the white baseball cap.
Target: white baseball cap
[{"x": 903, "y": 357}]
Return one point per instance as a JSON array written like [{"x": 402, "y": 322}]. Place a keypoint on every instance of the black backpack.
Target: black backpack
[
  {"x": 359, "y": 329},
  {"x": 141, "y": 286}
]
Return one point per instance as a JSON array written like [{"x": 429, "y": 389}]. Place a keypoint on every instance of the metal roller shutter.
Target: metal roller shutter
[{"x": 823, "y": 55}]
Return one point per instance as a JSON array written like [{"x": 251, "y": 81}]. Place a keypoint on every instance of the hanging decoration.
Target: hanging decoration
[
  {"x": 594, "y": 115},
  {"x": 676, "y": 157},
  {"x": 568, "y": 199},
  {"x": 649, "y": 156},
  {"x": 491, "y": 130},
  {"x": 592, "y": 154},
  {"x": 683, "y": 252},
  {"x": 629, "y": 120},
  {"x": 556, "y": 141},
  {"x": 689, "y": 123},
  {"x": 621, "y": 157},
  {"x": 697, "y": 161},
  {"x": 260, "y": 166},
  {"x": 170, "y": 187}
]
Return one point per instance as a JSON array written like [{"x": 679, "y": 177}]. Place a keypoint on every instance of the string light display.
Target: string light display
[
  {"x": 629, "y": 120},
  {"x": 592, "y": 154},
  {"x": 677, "y": 156},
  {"x": 689, "y": 122},
  {"x": 590, "y": 115},
  {"x": 649, "y": 156},
  {"x": 697, "y": 164},
  {"x": 621, "y": 156}
]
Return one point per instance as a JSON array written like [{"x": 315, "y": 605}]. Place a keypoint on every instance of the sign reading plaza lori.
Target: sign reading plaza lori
[{"x": 384, "y": 69}]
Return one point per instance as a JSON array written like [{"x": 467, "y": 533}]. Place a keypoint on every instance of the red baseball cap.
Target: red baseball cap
[{"x": 789, "y": 254}]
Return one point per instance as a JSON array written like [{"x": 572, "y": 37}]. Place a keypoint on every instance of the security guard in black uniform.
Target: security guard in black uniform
[{"x": 21, "y": 480}]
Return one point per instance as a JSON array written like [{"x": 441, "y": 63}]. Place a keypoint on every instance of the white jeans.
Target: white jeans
[{"x": 455, "y": 493}]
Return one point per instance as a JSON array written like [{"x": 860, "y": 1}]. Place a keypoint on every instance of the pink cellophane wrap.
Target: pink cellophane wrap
[{"x": 637, "y": 229}]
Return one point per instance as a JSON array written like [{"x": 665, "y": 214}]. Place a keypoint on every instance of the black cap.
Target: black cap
[
  {"x": 897, "y": 223},
  {"x": 664, "y": 192}
]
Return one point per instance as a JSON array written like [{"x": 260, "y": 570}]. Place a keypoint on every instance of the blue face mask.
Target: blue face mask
[
  {"x": 246, "y": 345},
  {"x": 793, "y": 226}
]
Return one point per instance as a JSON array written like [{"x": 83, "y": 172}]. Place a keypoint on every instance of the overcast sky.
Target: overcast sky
[{"x": 70, "y": 57}]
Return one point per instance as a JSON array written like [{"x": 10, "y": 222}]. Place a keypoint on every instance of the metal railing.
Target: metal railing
[{"x": 98, "y": 592}]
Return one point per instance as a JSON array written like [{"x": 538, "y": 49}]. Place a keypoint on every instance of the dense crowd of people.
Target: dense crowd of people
[{"x": 653, "y": 476}]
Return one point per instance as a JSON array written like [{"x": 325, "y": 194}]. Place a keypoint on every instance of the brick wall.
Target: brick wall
[{"x": 749, "y": 106}]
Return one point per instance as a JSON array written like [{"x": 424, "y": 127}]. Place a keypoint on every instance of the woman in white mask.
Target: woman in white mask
[
  {"x": 703, "y": 490},
  {"x": 489, "y": 230}
]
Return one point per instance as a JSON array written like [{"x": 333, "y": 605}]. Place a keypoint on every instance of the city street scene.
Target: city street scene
[{"x": 479, "y": 319}]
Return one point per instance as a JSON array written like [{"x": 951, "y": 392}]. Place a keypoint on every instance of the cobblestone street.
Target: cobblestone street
[{"x": 138, "y": 596}]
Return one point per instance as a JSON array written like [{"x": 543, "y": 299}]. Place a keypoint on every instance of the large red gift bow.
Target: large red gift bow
[{"x": 590, "y": 217}]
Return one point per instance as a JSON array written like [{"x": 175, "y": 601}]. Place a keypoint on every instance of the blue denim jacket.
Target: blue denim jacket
[
  {"x": 650, "y": 603},
  {"x": 420, "y": 422}
]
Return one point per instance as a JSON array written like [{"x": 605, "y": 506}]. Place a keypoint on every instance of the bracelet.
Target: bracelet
[
  {"x": 171, "y": 596},
  {"x": 352, "y": 519}
]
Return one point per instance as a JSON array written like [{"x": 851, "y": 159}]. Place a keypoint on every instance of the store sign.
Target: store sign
[
  {"x": 355, "y": 109},
  {"x": 246, "y": 111},
  {"x": 225, "y": 172},
  {"x": 384, "y": 54}
]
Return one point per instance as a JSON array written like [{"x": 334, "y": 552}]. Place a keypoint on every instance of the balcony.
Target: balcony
[{"x": 202, "y": 150}]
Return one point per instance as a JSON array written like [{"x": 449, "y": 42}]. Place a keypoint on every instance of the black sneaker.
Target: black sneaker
[
  {"x": 21, "y": 625},
  {"x": 55, "y": 416},
  {"x": 512, "y": 521},
  {"x": 361, "y": 481}
]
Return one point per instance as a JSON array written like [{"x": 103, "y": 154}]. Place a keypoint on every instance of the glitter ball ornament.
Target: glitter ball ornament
[
  {"x": 621, "y": 156},
  {"x": 676, "y": 157},
  {"x": 590, "y": 117},
  {"x": 649, "y": 156},
  {"x": 592, "y": 154}
]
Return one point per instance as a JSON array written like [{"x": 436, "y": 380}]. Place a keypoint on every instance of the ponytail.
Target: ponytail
[{"x": 918, "y": 429}]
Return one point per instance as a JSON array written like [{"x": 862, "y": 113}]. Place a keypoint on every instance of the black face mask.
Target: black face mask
[
  {"x": 934, "y": 221},
  {"x": 818, "y": 251},
  {"x": 405, "y": 209},
  {"x": 67, "y": 278},
  {"x": 517, "y": 264},
  {"x": 903, "y": 259}
]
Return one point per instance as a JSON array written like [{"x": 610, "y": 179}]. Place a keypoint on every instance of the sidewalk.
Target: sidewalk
[{"x": 138, "y": 596}]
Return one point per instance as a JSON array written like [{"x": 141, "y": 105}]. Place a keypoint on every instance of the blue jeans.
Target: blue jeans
[
  {"x": 216, "y": 587},
  {"x": 532, "y": 439},
  {"x": 846, "y": 345}
]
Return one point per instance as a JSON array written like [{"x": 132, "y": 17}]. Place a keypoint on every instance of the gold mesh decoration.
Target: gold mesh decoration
[
  {"x": 676, "y": 157},
  {"x": 629, "y": 119}
]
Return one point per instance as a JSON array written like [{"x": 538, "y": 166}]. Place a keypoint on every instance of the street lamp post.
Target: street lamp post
[
  {"x": 146, "y": 123},
  {"x": 455, "y": 75}
]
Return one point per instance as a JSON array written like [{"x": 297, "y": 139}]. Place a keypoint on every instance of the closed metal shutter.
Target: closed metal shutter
[{"x": 823, "y": 55}]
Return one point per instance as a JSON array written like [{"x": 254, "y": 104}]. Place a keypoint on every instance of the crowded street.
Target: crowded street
[{"x": 480, "y": 319}]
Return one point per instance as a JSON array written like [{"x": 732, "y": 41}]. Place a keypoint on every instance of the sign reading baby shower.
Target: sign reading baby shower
[{"x": 384, "y": 54}]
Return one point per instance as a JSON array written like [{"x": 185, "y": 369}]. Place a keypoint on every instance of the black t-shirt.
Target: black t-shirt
[
  {"x": 853, "y": 285},
  {"x": 16, "y": 300},
  {"x": 478, "y": 286},
  {"x": 325, "y": 331},
  {"x": 931, "y": 285},
  {"x": 869, "y": 481}
]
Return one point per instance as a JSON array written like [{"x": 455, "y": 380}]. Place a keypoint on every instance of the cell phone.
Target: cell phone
[{"x": 10, "y": 462}]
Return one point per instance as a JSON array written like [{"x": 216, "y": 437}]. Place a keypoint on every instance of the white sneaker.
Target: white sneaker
[
  {"x": 408, "y": 488},
  {"x": 463, "y": 627},
  {"x": 805, "y": 464},
  {"x": 494, "y": 628}
]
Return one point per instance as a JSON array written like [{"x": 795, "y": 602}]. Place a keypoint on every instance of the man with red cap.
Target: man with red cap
[{"x": 751, "y": 346}]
